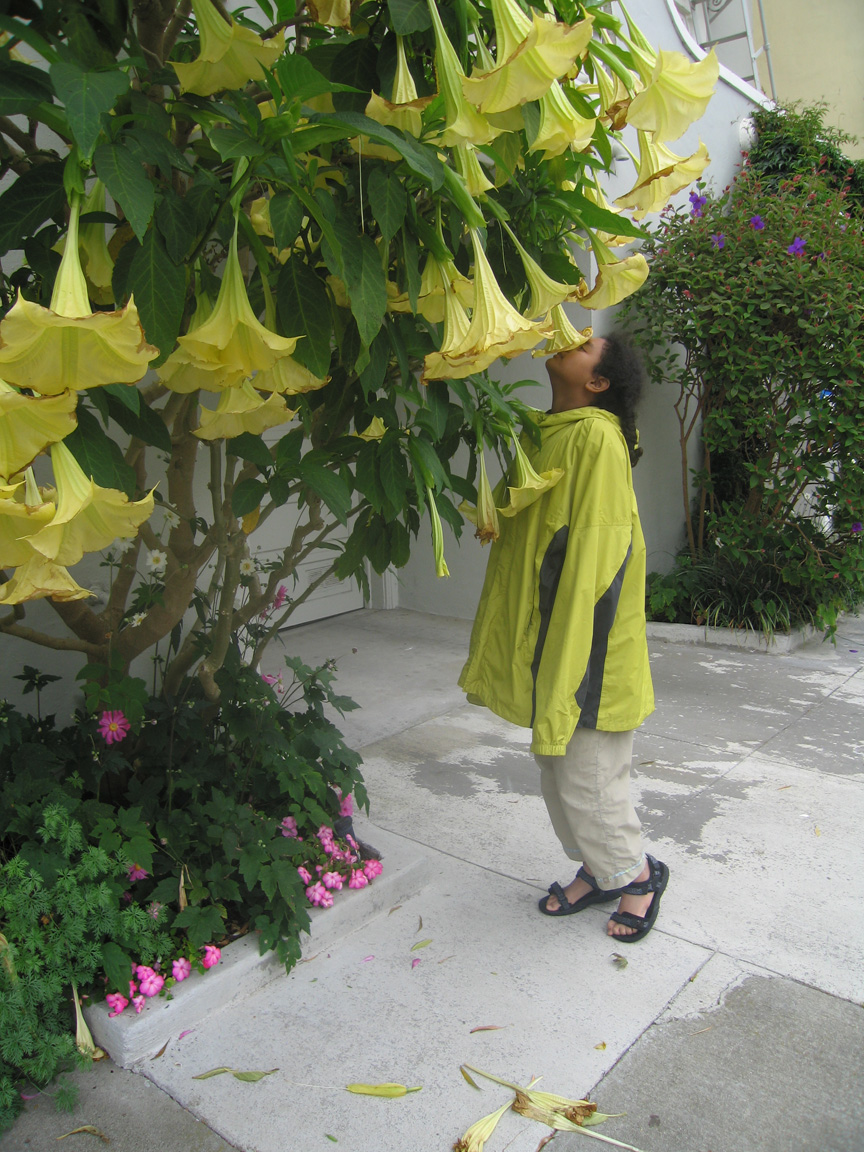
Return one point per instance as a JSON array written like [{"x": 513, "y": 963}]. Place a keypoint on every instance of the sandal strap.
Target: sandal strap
[
  {"x": 588, "y": 878},
  {"x": 629, "y": 920},
  {"x": 560, "y": 895},
  {"x": 643, "y": 887}
]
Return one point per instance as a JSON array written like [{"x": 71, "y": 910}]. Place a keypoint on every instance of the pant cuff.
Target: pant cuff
[{"x": 621, "y": 879}]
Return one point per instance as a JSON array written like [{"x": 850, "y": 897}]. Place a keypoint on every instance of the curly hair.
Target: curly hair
[{"x": 622, "y": 366}]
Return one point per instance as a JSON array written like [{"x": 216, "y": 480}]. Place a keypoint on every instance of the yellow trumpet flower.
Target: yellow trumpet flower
[
  {"x": 676, "y": 93},
  {"x": 232, "y": 339},
  {"x": 230, "y": 55},
  {"x": 29, "y": 423},
  {"x": 332, "y": 13},
  {"x": 529, "y": 485},
  {"x": 531, "y": 55},
  {"x": 97, "y": 262},
  {"x": 436, "y": 365},
  {"x": 21, "y": 516},
  {"x": 241, "y": 409},
  {"x": 38, "y": 578},
  {"x": 546, "y": 293},
  {"x": 405, "y": 109},
  {"x": 485, "y": 516},
  {"x": 561, "y": 126},
  {"x": 463, "y": 123},
  {"x": 564, "y": 335},
  {"x": 661, "y": 174},
  {"x": 374, "y": 430},
  {"x": 88, "y": 517},
  {"x": 288, "y": 377},
  {"x": 468, "y": 167},
  {"x": 616, "y": 279},
  {"x": 437, "y": 276},
  {"x": 50, "y": 350},
  {"x": 614, "y": 98},
  {"x": 441, "y": 568}
]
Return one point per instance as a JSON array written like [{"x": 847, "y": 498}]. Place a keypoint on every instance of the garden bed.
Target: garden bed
[{"x": 778, "y": 644}]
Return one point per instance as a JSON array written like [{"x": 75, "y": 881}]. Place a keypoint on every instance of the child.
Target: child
[{"x": 559, "y": 642}]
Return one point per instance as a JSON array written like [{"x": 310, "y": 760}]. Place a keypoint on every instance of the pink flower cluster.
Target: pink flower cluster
[
  {"x": 150, "y": 982},
  {"x": 341, "y": 867}
]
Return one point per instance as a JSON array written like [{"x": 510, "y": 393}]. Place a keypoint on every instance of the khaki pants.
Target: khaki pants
[{"x": 587, "y": 794}]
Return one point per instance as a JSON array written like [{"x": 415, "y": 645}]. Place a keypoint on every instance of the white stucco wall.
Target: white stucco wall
[{"x": 657, "y": 479}]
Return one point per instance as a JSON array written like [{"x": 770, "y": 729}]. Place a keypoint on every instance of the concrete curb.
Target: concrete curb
[
  {"x": 780, "y": 644},
  {"x": 242, "y": 971}
]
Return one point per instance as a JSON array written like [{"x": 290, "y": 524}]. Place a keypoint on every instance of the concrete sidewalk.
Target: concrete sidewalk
[{"x": 736, "y": 1026}]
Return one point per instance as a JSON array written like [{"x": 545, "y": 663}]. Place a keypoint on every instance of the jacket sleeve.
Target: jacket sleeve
[{"x": 578, "y": 582}]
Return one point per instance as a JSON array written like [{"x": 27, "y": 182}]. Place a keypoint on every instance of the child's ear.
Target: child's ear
[{"x": 598, "y": 384}]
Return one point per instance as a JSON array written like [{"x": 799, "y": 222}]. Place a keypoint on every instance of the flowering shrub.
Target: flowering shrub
[{"x": 754, "y": 309}]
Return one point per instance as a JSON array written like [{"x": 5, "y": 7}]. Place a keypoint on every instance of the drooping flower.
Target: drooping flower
[
  {"x": 241, "y": 409},
  {"x": 404, "y": 110},
  {"x": 475, "y": 1138},
  {"x": 96, "y": 260},
  {"x": 796, "y": 248},
  {"x": 468, "y": 167},
  {"x": 332, "y": 13},
  {"x": 546, "y": 293},
  {"x": 530, "y": 55},
  {"x": 22, "y": 514},
  {"x": 88, "y": 517},
  {"x": 39, "y": 578},
  {"x": 677, "y": 91},
  {"x": 718, "y": 241},
  {"x": 51, "y": 350},
  {"x": 441, "y": 568},
  {"x": 528, "y": 484},
  {"x": 113, "y": 727},
  {"x": 437, "y": 276},
  {"x": 661, "y": 174},
  {"x": 564, "y": 335},
  {"x": 83, "y": 1037},
  {"x": 212, "y": 956},
  {"x": 373, "y": 868},
  {"x": 304, "y": 874},
  {"x": 230, "y": 55},
  {"x": 116, "y": 1002},
  {"x": 288, "y": 377},
  {"x": 614, "y": 97},
  {"x": 616, "y": 279},
  {"x": 181, "y": 968},
  {"x": 358, "y": 879},
  {"x": 374, "y": 430},
  {"x": 463, "y": 124},
  {"x": 485, "y": 516},
  {"x": 561, "y": 126},
  {"x": 28, "y": 424},
  {"x": 280, "y": 597},
  {"x": 757, "y": 223}
]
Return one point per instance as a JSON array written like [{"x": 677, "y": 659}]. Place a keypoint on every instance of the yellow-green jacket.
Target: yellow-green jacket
[{"x": 559, "y": 639}]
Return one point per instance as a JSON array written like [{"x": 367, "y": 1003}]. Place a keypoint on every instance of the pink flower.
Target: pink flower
[
  {"x": 212, "y": 955},
  {"x": 358, "y": 879},
  {"x": 138, "y": 1002},
  {"x": 154, "y": 909},
  {"x": 415, "y": 961},
  {"x": 317, "y": 894},
  {"x": 269, "y": 678},
  {"x": 181, "y": 968},
  {"x": 289, "y": 827},
  {"x": 150, "y": 982},
  {"x": 373, "y": 868},
  {"x": 304, "y": 875},
  {"x": 136, "y": 872},
  {"x": 346, "y": 808},
  {"x": 280, "y": 597},
  {"x": 331, "y": 880},
  {"x": 325, "y": 835},
  {"x": 117, "y": 1002},
  {"x": 113, "y": 727},
  {"x": 133, "y": 987}
]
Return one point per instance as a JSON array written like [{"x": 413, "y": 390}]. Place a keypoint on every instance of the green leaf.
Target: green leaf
[
  {"x": 22, "y": 87},
  {"x": 117, "y": 965},
  {"x": 159, "y": 288},
  {"x": 412, "y": 266},
  {"x": 247, "y": 496},
  {"x": 303, "y": 307},
  {"x": 175, "y": 219},
  {"x": 420, "y": 944},
  {"x": 252, "y": 448},
  {"x": 233, "y": 142},
  {"x": 253, "y": 1077},
  {"x": 426, "y": 461},
  {"x": 388, "y": 200},
  {"x": 393, "y": 471},
  {"x": 367, "y": 290},
  {"x": 126, "y": 180},
  {"x": 408, "y": 16},
  {"x": 356, "y": 66},
  {"x": 88, "y": 96},
  {"x": 420, "y": 158},
  {"x": 99, "y": 455},
  {"x": 286, "y": 218},
  {"x": 150, "y": 147},
  {"x": 301, "y": 80},
  {"x": 329, "y": 486},
  {"x": 128, "y": 396},
  {"x": 580, "y": 207},
  {"x": 146, "y": 424},
  {"x": 31, "y": 200}
]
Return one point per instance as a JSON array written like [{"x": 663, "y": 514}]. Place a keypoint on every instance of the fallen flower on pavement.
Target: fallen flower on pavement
[{"x": 391, "y": 1091}]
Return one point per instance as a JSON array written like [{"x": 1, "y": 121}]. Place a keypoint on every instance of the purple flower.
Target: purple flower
[
  {"x": 796, "y": 248},
  {"x": 857, "y": 527},
  {"x": 697, "y": 203},
  {"x": 136, "y": 872},
  {"x": 718, "y": 240},
  {"x": 113, "y": 727},
  {"x": 757, "y": 223}
]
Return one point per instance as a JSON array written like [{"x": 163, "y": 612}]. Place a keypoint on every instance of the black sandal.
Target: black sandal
[
  {"x": 597, "y": 895},
  {"x": 656, "y": 883}
]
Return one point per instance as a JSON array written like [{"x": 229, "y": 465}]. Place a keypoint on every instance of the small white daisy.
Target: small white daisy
[
  {"x": 247, "y": 567},
  {"x": 156, "y": 561},
  {"x": 137, "y": 619},
  {"x": 171, "y": 518}
]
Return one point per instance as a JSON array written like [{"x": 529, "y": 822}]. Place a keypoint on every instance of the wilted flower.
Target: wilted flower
[
  {"x": 485, "y": 515},
  {"x": 83, "y": 1038},
  {"x": 135, "y": 871},
  {"x": 441, "y": 568},
  {"x": 661, "y": 174},
  {"x": 463, "y": 123},
  {"x": 181, "y": 968},
  {"x": 479, "y": 1132},
  {"x": 230, "y": 55},
  {"x": 212, "y": 956},
  {"x": 113, "y": 727}
]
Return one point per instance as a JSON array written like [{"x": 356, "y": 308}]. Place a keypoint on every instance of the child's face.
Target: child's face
[{"x": 577, "y": 367}]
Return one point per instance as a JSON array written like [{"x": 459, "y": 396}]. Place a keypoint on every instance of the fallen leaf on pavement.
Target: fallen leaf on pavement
[
  {"x": 161, "y": 1051},
  {"x": 395, "y": 908},
  {"x": 420, "y": 925},
  {"x": 86, "y": 1128},
  {"x": 247, "y": 1077},
  {"x": 420, "y": 944},
  {"x": 391, "y": 1091},
  {"x": 601, "y": 1047},
  {"x": 487, "y": 1028},
  {"x": 470, "y": 1079},
  {"x": 618, "y": 960}
]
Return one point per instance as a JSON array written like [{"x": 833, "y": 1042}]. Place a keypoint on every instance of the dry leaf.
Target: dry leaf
[
  {"x": 618, "y": 960},
  {"x": 446, "y": 958},
  {"x": 420, "y": 944},
  {"x": 783, "y": 787},
  {"x": 420, "y": 925},
  {"x": 161, "y": 1051},
  {"x": 601, "y": 1047},
  {"x": 817, "y": 830},
  {"x": 487, "y": 1028},
  {"x": 247, "y": 1077},
  {"x": 395, "y": 908},
  {"x": 86, "y": 1128},
  {"x": 701, "y": 1030},
  {"x": 212, "y": 1072},
  {"x": 311, "y": 958},
  {"x": 391, "y": 1091},
  {"x": 546, "y": 1140},
  {"x": 470, "y": 1079}
]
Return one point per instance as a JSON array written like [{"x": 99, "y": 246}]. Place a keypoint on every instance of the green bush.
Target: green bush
[{"x": 753, "y": 309}]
